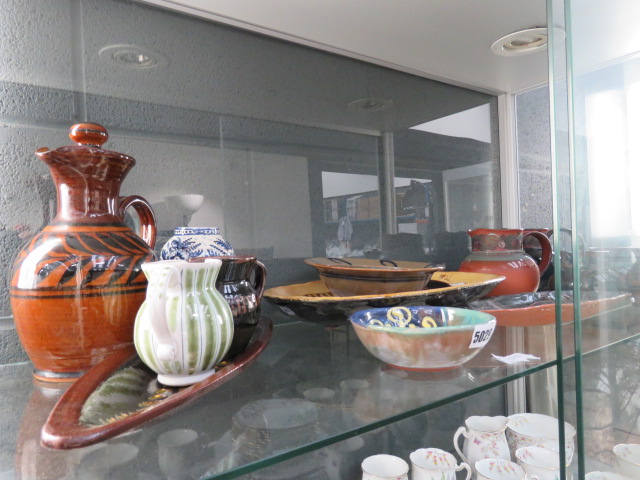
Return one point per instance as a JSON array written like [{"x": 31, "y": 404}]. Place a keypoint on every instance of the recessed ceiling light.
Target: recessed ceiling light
[
  {"x": 370, "y": 104},
  {"x": 520, "y": 43},
  {"x": 133, "y": 56}
]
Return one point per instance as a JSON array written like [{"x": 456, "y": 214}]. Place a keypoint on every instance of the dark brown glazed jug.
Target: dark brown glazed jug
[
  {"x": 77, "y": 285},
  {"x": 242, "y": 293}
]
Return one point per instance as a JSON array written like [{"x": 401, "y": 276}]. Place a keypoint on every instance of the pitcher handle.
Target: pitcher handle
[
  {"x": 466, "y": 466},
  {"x": 142, "y": 208},
  {"x": 156, "y": 302},
  {"x": 259, "y": 279},
  {"x": 581, "y": 244},
  {"x": 547, "y": 249},
  {"x": 461, "y": 431}
]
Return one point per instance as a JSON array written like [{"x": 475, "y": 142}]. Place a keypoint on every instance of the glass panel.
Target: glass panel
[
  {"x": 247, "y": 123},
  {"x": 292, "y": 153},
  {"x": 296, "y": 398},
  {"x": 594, "y": 78}
]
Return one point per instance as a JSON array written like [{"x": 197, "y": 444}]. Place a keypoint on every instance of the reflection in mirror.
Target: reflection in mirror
[{"x": 243, "y": 132}]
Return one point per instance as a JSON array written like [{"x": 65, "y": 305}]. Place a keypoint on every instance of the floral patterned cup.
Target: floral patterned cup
[
  {"x": 384, "y": 467},
  {"x": 628, "y": 459},
  {"x": 604, "y": 476},
  {"x": 499, "y": 469},
  {"x": 534, "y": 429},
  {"x": 435, "y": 464},
  {"x": 539, "y": 463}
]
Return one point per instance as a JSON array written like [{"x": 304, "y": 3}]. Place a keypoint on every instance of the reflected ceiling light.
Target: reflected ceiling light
[
  {"x": 133, "y": 56},
  {"x": 521, "y": 43},
  {"x": 370, "y": 104}
]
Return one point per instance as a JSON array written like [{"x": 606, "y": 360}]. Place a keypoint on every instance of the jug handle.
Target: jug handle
[
  {"x": 259, "y": 280},
  {"x": 461, "y": 431},
  {"x": 466, "y": 466},
  {"x": 148, "y": 228},
  {"x": 581, "y": 244},
  {"x": 547, "y": 250},
  {"x": 156, "y": 303}
]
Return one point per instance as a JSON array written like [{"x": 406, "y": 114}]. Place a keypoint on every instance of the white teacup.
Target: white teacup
[
  {"x": 537, "y": 430},
  {"x": 628, "y": 459},
  {"x": 435, "y": 464},
  {"x": 108, "y": 461},
  {"x": 384, "y": 467},
  {"x": 499, "y": 469},
  {"x": 605, "y": 476},
  {"x": 176, "y": 449},
  {"x": 539, "y": 463}
]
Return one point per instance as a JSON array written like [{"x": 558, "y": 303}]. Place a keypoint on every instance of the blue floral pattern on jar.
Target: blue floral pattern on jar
[{"x": 191, "y": 242}]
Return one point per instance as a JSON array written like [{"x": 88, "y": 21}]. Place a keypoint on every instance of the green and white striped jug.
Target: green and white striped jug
[{"x": 184, "y": 327}]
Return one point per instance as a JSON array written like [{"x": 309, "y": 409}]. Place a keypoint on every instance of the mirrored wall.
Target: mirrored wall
[{"x": 295, "y": 152}]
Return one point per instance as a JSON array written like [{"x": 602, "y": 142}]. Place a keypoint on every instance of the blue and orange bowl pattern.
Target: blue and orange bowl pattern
[{"x": 422, "y": 338}]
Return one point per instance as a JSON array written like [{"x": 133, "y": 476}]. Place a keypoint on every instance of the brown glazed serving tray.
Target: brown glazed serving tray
[
  {"x": 539, "y": 308},
  {"x": 84, "y": 416},
  {"x": 313, "y": 302}
]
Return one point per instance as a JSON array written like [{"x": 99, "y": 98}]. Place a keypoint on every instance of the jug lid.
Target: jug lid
[{"x": 88, "y": 138}]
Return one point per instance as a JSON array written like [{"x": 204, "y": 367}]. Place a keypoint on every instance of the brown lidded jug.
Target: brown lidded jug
[{"x": 77, "y": 285}]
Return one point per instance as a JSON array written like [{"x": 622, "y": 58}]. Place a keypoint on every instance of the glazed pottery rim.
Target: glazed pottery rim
[
  {"x": 473, "y": 417},
  {"x": 481, "y": 318},
  {"x": 395, "y": 458},
  {"x": 407, "y": 267},
  {"x": 502, "y": 461},
  {"x": 389, "y": 456},
  {"x": 537, "y": 465},
  {"x": 600, "y": 475},
  {"x": 568, "y": 427},
  {"x": 497, "y": 231},
  {"x": 234, "y": 257},
  {"x": 483, "y": 279},
  {"x": 196, "y": 231},
  {"x": 453, "y": 463},
  {"x": 631, "y": 446},
  {"x": 295, "y": 407}
]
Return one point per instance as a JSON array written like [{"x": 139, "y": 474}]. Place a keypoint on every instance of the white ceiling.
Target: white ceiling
[{"x": 446, "y": 40}]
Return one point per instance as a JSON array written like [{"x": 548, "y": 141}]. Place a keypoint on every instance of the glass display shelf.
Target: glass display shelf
[
  {"x": 609, "y": 400},
  {"x": 311, "y": 388}
]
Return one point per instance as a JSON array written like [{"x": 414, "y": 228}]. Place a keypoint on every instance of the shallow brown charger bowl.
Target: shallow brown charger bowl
[
  {"x": 313, "y": 302},
  {"x": 346, "y": 277}
]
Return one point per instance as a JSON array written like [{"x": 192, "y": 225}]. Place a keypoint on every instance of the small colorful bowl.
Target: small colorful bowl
[
  {"x": 347, "y": 277},
  {"x": 423, "y": 338}
]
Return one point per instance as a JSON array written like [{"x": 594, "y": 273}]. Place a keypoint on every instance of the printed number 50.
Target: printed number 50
[{"x": 481, "y": 336}]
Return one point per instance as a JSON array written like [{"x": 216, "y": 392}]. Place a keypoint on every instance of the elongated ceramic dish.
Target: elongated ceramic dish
[
  {"x": 84, "y": 415},
  {"x": 313, "y": 302},
  {"x": 539, "y": 308}
]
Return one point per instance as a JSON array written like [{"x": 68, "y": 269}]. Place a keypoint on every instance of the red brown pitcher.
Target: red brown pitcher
[
  {"x": 78, "y": 284},
  {"x": 500, "y": 252}
]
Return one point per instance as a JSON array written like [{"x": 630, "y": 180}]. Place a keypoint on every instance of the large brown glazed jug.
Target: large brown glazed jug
[{"x": 77, "y": 285}]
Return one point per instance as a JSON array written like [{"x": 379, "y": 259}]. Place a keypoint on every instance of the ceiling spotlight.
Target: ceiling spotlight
[
  {"x": 133, "y": 56},
  {"x": 520, "y": 43},
  {"x": 370, "y": 104}
]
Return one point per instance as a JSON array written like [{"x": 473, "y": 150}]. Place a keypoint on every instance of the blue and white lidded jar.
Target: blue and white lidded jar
[{"x": 191, "y": 242}]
